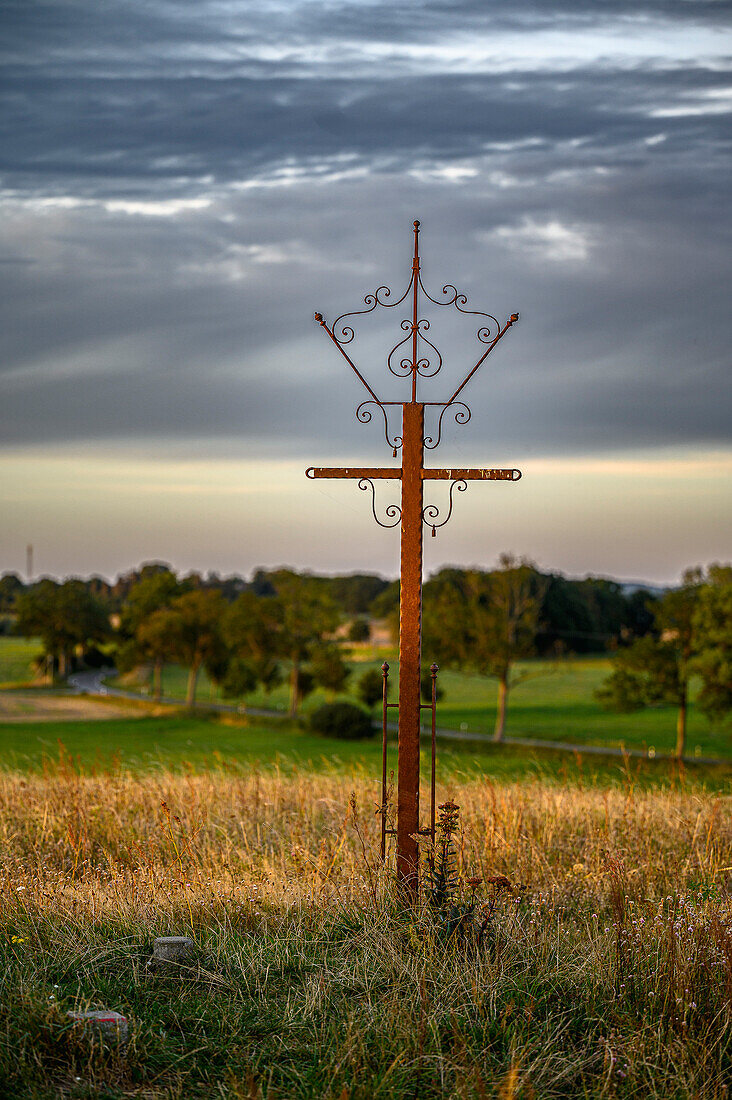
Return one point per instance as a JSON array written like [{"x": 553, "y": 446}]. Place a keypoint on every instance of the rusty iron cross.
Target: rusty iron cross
[{"x": 412, "y": 514}]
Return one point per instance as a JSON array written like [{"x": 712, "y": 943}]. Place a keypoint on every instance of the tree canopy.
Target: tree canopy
[
  {"x": 64, "y": 616},
  {"x": 692, "y": 633}
]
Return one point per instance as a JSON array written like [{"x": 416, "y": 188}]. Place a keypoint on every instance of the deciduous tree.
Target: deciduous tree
[
  {"x": 486, "y": 621},
  {"x": 370, "y": 687},
  {"x": 359, "y": 631},
  {"x": 713, "y": 628},
  {"x": 329, "y": 668},
  {"x": 252, "y": 630},
  {"x": 193, "y": 623},
  {"x": 145, "y": 636},
  {"x": 308, "y": 617},
  {"x": 11, "y": 586},
  {"x": 656, "y": 669},
  {"x": 64, "y": 616}
]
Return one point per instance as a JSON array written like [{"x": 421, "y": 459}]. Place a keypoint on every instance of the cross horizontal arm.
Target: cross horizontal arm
[
  {"x": 351, "y": 471},
  {"x": 471, "y": 475}
]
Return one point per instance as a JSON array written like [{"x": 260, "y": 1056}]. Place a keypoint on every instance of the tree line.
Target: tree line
[
  {"x": 241, "y": 642},
  {"x": 354, "y": 593},
  {"x": 585, "y": 616},
  {"x": 252, "y": 633},
  {"x": 691, "y": 636},
  {"x": 489, "y": 622}
]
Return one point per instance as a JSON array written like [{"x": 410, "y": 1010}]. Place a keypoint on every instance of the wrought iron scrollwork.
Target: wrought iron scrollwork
[
  {"x": 344, "y": 334},
  {"x": 405, "y": 365},
  {"x": 460, "y": 412},
  {"x": 431, "y": 513},
  {"x": 455, "y": 298},
  {"x": 365, "y": 416},
  {"x": 425, "y": 360},
  {"x": 393, "y": 511},
  {"x": 425, "y": 366}
]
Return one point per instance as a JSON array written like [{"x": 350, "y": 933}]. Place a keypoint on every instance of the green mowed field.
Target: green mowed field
[
  {"x": 16, "y": 659},
  {"x": 552, "y": 701},
  {"x": 198, "y": 744}
]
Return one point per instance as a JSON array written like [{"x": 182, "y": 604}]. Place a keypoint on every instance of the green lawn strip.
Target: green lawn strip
[
  {"x": 16, "y": 660},
  {"x": 553, "y": 701},
  {"x": 181, "y": 742}
]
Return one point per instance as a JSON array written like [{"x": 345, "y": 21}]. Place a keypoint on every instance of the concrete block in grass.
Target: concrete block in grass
[
  {"x": 112, "y": 1025},
  {"x": 172, "y": 949}
]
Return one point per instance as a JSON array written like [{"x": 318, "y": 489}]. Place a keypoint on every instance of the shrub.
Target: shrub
[
  {"x": 359, "y": 631},
  {"x": 342, "y": 720},
  {"x": 240, "y": 679},
  {"x": 371, "y": 687}
]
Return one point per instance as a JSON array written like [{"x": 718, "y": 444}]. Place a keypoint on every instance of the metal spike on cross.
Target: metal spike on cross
[{"x": 412, "y": 514}]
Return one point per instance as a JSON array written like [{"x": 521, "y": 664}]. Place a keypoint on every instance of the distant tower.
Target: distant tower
[{"x": 29, "y": 561}]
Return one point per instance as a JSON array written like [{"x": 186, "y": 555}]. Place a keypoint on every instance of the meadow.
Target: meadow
[
  {"x": 181, "y": 744},
  {"x": 16, "y": 657},
  {"x": 603, "y": 970},
  {"x": 600, "y": 966},
  {"x": 552, "y": 700}
]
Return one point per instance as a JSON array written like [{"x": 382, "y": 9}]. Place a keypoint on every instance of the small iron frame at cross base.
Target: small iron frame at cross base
[{"x": 412, "y": 358}]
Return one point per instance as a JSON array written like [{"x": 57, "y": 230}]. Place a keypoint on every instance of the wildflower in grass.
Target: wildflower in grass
[
  {"x": 473, "y": 884},
  {"x": 449, "y": 818},
  {"x": 443, "y": 874}
]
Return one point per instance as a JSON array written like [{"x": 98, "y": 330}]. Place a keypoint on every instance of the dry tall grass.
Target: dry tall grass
[{"x": 607, "y": 971}]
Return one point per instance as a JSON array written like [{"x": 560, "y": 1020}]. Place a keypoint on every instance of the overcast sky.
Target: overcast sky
[{"x": 184, "y": 184}]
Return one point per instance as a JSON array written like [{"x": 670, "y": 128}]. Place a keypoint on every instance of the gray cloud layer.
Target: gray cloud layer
[{"x": 184, "y": 185}]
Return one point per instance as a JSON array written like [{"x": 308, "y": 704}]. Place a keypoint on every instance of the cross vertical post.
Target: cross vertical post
[
  {"x": 410, "y": 644},
  {"x": 412, "y": 516}
]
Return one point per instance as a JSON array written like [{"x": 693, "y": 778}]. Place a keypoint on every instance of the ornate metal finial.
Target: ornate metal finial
[{"x": 425, "y": 360}]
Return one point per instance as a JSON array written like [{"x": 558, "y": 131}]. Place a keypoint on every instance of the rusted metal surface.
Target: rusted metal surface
[
  {"x": 352, "y": 471},
  {"x": 431, "y": 514},
  {"x": 395, "y": 473},
  {"x": 410, "y": 646},
  {"x": 471, "y": 475},
  {"x": 384, "y": 716},
  {"x": 425, "y": 362},
  {"x": 433, "y": 772}
]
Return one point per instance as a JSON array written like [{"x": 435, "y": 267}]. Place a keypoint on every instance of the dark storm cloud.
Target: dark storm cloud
[
  {"x": 591, "y": 196},
  {"x": 118, "y": 136},
  {"x": 61, "y": 34},
  {"x": 609, "y": 353}
]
